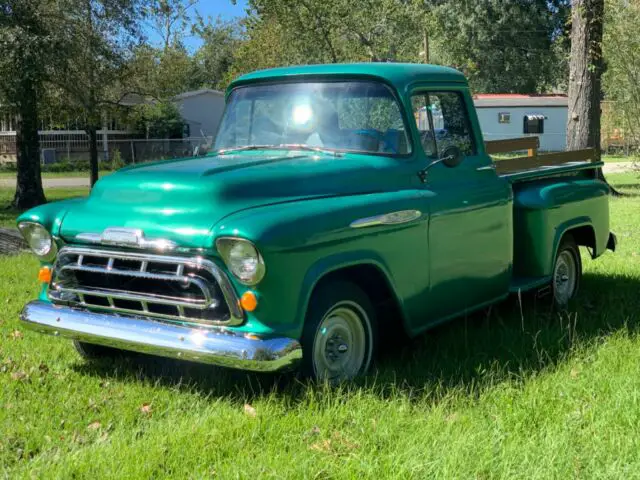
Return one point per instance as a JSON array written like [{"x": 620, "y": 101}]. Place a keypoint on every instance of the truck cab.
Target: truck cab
[{"x": 337, "y": 199}]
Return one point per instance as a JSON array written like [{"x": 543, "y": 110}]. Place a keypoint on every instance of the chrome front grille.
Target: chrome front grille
[{"x": 184, "y": 289}]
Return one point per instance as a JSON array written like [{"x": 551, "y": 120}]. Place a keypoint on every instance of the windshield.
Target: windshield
[{"x": 356, "y": 116}]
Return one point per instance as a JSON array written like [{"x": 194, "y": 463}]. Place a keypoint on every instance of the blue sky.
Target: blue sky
[{"x": 213, "y": 8}]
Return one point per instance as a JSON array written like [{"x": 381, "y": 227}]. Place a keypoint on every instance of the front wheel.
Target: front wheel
[
  {"x": 339, "y": 336},
  {"x": 567, "y": 272}
]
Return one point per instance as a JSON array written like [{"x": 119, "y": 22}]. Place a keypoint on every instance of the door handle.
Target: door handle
[{"x": 487, "y": 168}]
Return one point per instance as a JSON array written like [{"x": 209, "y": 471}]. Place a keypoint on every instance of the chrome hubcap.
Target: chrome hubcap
[
  {"x": 564, "y": 277},
  {"x": 340, "y": 345}
]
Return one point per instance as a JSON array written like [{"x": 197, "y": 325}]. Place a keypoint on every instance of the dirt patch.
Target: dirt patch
[{"x": 620, "y": 167}]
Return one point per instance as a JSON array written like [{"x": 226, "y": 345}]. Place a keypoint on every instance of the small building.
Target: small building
[
  {"x": 201, "y": 111},
  {"x": 511, "y": 115}
]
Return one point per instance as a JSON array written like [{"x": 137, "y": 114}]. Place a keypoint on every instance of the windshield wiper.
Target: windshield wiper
[
  {"x": 222, "y": 151},
  {"x": 281, "y": 146}
]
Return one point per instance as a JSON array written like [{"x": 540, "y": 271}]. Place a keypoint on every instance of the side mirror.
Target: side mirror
[{"x": 452, "y": 156}]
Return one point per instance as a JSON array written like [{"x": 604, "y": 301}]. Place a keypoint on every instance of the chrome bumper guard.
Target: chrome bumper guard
[{"x": 216, "y": 346}]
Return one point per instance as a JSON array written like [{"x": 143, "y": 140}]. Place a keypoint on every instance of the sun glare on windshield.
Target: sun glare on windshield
[{"x": 341, "y": 116}]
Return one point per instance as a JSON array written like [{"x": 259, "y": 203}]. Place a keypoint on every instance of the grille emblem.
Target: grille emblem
[
  {"x": 122, "y": 237},
  {"x": 127, "y": 237}
]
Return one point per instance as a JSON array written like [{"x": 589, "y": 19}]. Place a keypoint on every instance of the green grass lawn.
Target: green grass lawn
[
  {"x": 620, "y": 158},
  {"x": 511, "y": 393}
]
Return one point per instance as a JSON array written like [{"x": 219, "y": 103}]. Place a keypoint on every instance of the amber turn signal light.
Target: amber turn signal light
[
  {"x": 44, "y": 275},
  {"x": 249, "y": 301}
]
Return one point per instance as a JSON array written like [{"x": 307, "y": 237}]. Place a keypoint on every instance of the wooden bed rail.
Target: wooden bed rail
[
  {"x": 518, "y": 164},
  {"x": 533, "y": 159},
  {"x": 531, "y": 144}
]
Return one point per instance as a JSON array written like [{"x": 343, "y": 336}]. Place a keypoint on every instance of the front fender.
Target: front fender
[
  {"x": 303, "y": 241},
  {"x": 343, "y": 260}
]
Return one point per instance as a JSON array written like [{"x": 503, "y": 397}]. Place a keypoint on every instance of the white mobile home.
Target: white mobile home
[
  {"x": 201, "y": 110},
  {"x": 510, "y": 116}
]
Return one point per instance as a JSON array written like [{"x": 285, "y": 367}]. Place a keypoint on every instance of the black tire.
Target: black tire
[
  {"x": 567, "y": 272},
  {"x": 89, "y": 351},
  {"x": 338, "y": 306}
]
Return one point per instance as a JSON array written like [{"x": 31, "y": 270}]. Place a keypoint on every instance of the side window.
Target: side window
[
  {"x": 451, "y": 122},
  {"x": 420, "y": 109},
  {"x": 442, "y": 121}
]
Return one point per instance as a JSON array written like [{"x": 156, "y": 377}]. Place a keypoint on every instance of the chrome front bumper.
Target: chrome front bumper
[{"x": 216, "y": 346}]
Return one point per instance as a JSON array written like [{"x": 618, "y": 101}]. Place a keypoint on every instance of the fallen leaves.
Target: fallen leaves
[
  {"x": 94, "y": 425},
  {"x": 146, "y": 409},
  {"x": 249, "y": 410},
  {"x": 337, "y": 445},
  {"x": 17, "y": 335},
  {"x": 19, "y": 376}
]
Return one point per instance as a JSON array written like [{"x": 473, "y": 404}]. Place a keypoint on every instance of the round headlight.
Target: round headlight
[
  {"x": 39, "y": 240},
  {"x": 242, "y": 258}
]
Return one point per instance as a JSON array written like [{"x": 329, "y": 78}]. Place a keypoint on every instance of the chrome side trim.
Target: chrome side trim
[
  {"x": 392, "y": 218},
  {"x": 228, "y": 292},
  {"x": 486, "y": 168},
  {"x": 219, "y": 346}
]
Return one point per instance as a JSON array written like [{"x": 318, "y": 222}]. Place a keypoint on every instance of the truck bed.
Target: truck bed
[{"x": 549, "y": 171}]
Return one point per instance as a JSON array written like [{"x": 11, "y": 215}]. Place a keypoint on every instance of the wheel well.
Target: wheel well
[
  {"x": 584, "y": 236},
  {"x": 375, "y": 284}
]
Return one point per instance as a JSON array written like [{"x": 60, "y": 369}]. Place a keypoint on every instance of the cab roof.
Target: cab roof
[{"x": 397, "y": 74}]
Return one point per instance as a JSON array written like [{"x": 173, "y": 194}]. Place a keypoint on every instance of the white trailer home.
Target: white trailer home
[
  {"x": 201, "y": 110},
  {"x": 510, "y": 116}
]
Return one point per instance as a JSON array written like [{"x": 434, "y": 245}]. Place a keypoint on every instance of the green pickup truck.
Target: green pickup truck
[{"x": 337, "y": 200}]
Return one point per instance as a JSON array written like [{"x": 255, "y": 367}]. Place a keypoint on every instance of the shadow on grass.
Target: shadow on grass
[{"x": 508, "y": 342}]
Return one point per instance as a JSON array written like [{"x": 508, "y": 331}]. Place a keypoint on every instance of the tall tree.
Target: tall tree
[
  {"x": 25, "y": 42},
  {"x": 621, "y": 81},
  {"x": 162, "y": 74},
  {"x": 324, "y": 31},
  {"x": 512, "y": 46},
  {"x": 99, "y": 36},
  {"x": 170, "y": 19},
  {"x": 214, "y": 59},
  {"x": 585, "y": 77},
  {"x": 585, "y": 74}
]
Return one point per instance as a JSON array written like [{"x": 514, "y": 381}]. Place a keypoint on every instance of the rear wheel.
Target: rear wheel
[
  {"x": 90, "y": 351},
  {"x": 567, "y": 272},
  {"x": 339, "y": 336}
]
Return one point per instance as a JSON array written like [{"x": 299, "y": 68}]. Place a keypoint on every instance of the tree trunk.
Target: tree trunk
[
  {"x": 29, "y": 192},
  {"x": 92, "y": 130},
  {"x": 585, "y": 74}
]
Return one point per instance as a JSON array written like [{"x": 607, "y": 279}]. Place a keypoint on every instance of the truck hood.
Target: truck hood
[{"x": 182, "y": 200}]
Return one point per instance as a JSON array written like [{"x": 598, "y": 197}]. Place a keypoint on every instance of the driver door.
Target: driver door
[{"x": 470, "y": 223}]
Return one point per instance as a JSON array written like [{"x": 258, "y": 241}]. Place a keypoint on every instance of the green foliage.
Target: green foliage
[
  {"x": 215, "y": 58},
  {"x": 92, "y": 68},
  {"x": 621, "y": 81},
  {"x": 503, "y": 46},
  {"x": 117, "y": 161},
  {"x": 342, "y": 30},
  {"x": 158, "y": 120},
  {"x": 170, "y": 19},
  {"x": 163, "y": 73}
]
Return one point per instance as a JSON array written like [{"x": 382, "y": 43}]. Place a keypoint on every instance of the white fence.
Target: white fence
[{"x": 73, "y": 146}]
